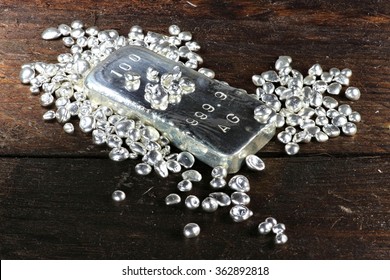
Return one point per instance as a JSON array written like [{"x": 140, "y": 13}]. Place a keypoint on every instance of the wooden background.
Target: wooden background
[{"x": 334, "y": 197}]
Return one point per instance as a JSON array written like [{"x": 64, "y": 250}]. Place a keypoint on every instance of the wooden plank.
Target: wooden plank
[{"x": 333, "y": 208}]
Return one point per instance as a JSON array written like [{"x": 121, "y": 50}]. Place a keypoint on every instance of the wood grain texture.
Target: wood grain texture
[{"x": 333, "y": 197}]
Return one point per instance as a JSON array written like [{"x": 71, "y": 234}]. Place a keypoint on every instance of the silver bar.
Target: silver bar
[{"x": 222, "y": 136}]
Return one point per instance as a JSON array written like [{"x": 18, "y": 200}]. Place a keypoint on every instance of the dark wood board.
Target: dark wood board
[{"x": 333, "y": 197}]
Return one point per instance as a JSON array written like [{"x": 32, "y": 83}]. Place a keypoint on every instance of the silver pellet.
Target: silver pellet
[
  {"x": 119, "y": 154},
  {"x": 172, "y": 199},
  {"x": 186, "y": 159},
  {"x": 68, "y": 128},
  {"x": 26, "y": 74},
  {"x": 240, "y": 213},
  {"x": 329, "y": 102},
  {"x": 114, "y": 141},
  {"x": 346, "y": 72},
  {"x": 87, "y": 123},
  {"x": 354, "y": 117},
  {"x": 192, "y": 202},
  {"x": 239, "y": 183},
  {"x": 51, "y": 33},
  {"x": 192, "y": 175},
  {"x": 173, "y": 166},
  {"x": 150, "y": 133},
  {"x": 271, "y": 220},
  {"x": 315, "y": 70},
  {"x": 290, "y": 130},
  {"x": 321, "y": 137},
  {"x": 278, "y": 228},
  {"x": 258, "y": 80},
  {"x": 218, "y": 183},
  {"x": 143, "y": 169},
  {"x": 270, "y": 76},
  {"x": 62, "y": 115},
  {"x": 345, "y": 109},
  {"x": 46, "y": 99},
  {"x": 240, "y": 198},
  {"x": 219, "y": 171},
  {"x": 280, "y": 239},
  {"x": 339, "y": 120},
  {"x": 184, "y": 186},
  {"x": 334, "y": 71},
  {"x": 254, "y": 163},
  {"x": 49, "y": 115},
  {"x": 264, "y": 228},
  {"x": 280, "y": 121},
  {"x": 161, "y": 168},
  {"x": 343, "y": 80},
  {"x": 326, "y": 77},
  {"x": 291, "y": 148},
  {"x": 191, "y": 230},
  {"x": 352, "y": 93},
  {"x": 138, "y": 148},
  {"x": 99, "y": 137},
  {"x": 331, "y": 130},
  {"x": 118, "y": 195},
  {"x": 64, "y": 29},
  {"x": 152, "y": 157},
  {"x": 349, "y": 129},
  {"x": 332, "y": 113},
  {"x": 334, "y": 88},
  {"x": 262, "y": 113},
  {"x": 207, "y": 72},
  {"x": 222, "y": 198},
  {"x": 209, "y": 204}
]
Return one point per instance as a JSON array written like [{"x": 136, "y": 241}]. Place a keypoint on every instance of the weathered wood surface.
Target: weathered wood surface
[{"x": 333, "y": 197}]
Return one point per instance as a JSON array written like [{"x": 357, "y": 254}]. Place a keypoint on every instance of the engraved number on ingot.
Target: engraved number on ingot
[
  {"x": 208, "y": 108},
  {"x": 126, "y": 67},
  {"x": 220, "y": 95},
  {"x": 192, "y": 121},
  {"x": 200, "y": 115}
]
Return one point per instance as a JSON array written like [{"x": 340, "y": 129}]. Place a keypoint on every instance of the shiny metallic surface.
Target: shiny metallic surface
[
  {"x": 240, "y": 198},
  {"x": 240, "y": 213},
  {"x": 118, "y": 195},
  {"x": 254, "y": 163},
  {"x": 172, "y": 199},
  {"x": 184, "y": 186},
  {"x": 209, "y": 204},
  {"x": 191, "y": 230},
  {"x": 239, "y": 183},
  {"x": 264, "y": 228},
  {"x": 192, "y": 202},
  {"x": 222, "y": 198},
  {"x": 199, "y": 124},
  {"x": 192, "y": 175}
]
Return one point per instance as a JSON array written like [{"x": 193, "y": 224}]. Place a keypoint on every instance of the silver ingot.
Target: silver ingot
[{"x": 194, "y": 125}]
